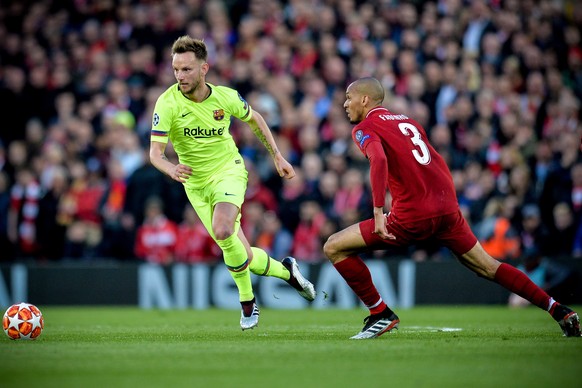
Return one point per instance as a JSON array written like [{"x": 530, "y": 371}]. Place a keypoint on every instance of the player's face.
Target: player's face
[
  {"x": 354, "y": 105},
  {"x": 189, "y": 71}
]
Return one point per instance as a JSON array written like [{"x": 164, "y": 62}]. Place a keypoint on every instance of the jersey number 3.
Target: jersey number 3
[{"x": 421, "y": 154}]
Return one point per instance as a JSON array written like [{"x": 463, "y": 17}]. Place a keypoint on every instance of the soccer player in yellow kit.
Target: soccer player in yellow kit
[{"x": 195, "y": 116}]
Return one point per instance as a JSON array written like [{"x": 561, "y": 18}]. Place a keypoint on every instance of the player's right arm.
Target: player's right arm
[
  {"x": 162, "y": 121},
  {"x": 178, "y": 172},
  {"x": 372, "y": 149}
]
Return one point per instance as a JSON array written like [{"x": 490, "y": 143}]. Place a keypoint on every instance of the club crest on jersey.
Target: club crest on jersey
[
  {"x": 218, "y": 114},
  {"x": 156, "y": 119},
  {"x": 361, "y": 138}
]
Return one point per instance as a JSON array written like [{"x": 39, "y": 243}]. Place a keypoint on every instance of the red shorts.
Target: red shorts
[{"x": 450, "y": 230}]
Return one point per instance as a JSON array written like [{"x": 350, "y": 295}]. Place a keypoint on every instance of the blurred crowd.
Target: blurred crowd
[{"x": 497, "y": 84}]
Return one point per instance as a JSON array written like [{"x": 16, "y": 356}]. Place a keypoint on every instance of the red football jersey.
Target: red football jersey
[{"x": 404, "y": 163}]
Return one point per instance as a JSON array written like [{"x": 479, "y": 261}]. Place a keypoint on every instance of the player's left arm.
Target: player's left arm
[{"x": 260, "y": 128}]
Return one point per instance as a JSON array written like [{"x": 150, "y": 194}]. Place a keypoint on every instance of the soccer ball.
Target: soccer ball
[{"x": 23, "y": 321}]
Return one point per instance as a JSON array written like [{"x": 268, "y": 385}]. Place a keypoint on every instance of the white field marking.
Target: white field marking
[{"x": 431, "y": 328}]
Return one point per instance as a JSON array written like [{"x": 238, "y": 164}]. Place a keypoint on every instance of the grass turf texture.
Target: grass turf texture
[{"x": 113, "y": 347}]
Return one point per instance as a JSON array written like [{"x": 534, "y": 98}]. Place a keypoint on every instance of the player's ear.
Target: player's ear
[
  {"x": 365, "y": 99},
  {"x": 205, "y": 67}
]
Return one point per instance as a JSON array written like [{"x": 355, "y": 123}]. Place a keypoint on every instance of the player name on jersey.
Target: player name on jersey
[{"x": 393, "y": 117}]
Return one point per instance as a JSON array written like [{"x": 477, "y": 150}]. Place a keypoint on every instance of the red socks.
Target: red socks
[
  {"x": 518, "y": 282},
  {"x": 357, "y": 275}
]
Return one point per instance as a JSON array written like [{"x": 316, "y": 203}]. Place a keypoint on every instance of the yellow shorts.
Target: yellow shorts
[{"x": 228, "y": 186}]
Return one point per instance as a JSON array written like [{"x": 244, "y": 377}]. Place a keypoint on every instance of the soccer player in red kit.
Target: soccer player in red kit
[{"x": 424, "y": 205}]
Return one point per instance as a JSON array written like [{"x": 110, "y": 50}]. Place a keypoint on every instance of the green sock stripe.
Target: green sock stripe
[
  {"x": 240, "y": 268},
  {"x": 268, "y": 267}
]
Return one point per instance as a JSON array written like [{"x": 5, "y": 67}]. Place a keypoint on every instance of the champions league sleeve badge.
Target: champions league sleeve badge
[
  {"x": 156, "y": 120},
  {"x": 360, "y": 138},
  {"x": 243, "y": 100}
]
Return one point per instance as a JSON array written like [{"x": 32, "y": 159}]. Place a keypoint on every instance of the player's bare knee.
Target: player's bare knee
[
  {"x": 486, "y": 270},
  {"x": 222, "y": 232},
  {"x": 482, "y": 273},
  {"x": 330, "y": 248},
  {"x": 491, "y": 270}
]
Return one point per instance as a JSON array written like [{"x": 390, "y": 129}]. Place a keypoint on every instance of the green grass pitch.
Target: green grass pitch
[{"x": 484, "y": 346}]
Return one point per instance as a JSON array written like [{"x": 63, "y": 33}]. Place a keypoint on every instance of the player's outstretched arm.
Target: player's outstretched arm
[
  {"x": 178, "y": 172},
  {"x": 263, "y": 133}
]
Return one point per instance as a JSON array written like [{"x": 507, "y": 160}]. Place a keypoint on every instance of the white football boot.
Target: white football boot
[
  {"x": 303, "y": 286},
  {"x": 251, "y": 319}
]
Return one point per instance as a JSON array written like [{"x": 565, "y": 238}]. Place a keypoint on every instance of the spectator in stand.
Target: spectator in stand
[
  {"x": 145, "y": 182},
  {"x": 535, "y": 92},
  {"x": 257, "y": 191},
  {"x": 193, "y": 243},
  {"x": 312, "y": 164},
  {"x": 453, "y": 84},
  {"x": 51, "y": 231},
  {"x": 6, "y": 246},
  {"x": 576, "y": 197},
  {"x": 406, "y": 69},
  {"x": 124, "y": 143},
  {"x": 53, "y": 159},
  {"x": 352, "y": 199},
  {"x": 496, "y": 233},
  {"x": 293, "y": 195},
  {"x": 558, "y": 183},
  {"x": 273, "y": 237},
  {"x": 80, "y": 209},
  {"x": 532, "y": 232},
  {"x": 577, "y": 248},
  {"x": 13, "y": 96},
  {"x": 563, "y": 230},
  {"x": 541, "y": 165},
  {"x": 17, "y": 158},
  {"x": 557, "y": 279},
  {"x": 328, "y": 186},
  {"x": 117, "y": 226},
  {"x": 156, "y": 237},
  {"x": 433, "y": 77},
  {"x": 252, "y": 217},
  {"x": 307, "y": 240},
  {"x": 24, "y": 199},
  {"x": 480, "y": 22},
  {"x": 519, "y": 184}
]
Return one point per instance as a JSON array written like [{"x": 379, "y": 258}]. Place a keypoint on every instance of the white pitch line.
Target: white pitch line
[{"x": 432, "y": 328}]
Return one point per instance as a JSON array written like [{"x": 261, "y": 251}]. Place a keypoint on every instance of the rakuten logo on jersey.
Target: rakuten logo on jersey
[{"x": 203, "y": 132}]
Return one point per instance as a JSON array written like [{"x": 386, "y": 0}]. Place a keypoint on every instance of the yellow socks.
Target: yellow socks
[
  {"x": 235, "y": 259},
  {"x": 263, "y": 265}
]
